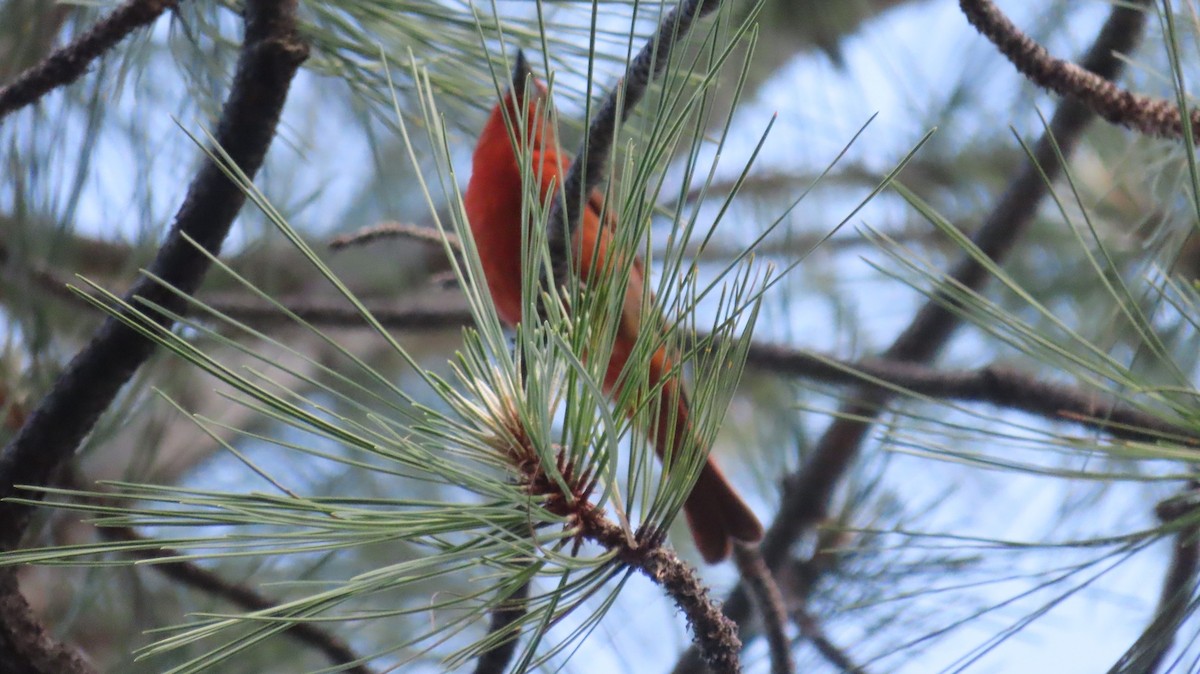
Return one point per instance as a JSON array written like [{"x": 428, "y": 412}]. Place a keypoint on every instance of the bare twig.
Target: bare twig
[
  {"x": 809, "y": 492},
  {"x": 761, "y": 584},
  {"x": 495, "y": 660},
  {"x": 390, "y": 230},
  {"x": 997, "y": 385},
  {"x": 67, "y": 64},
  {"x": 1151, "y": 116},
  {"x": 417, "y": 314},
  {"x": 1179, "y": 584},
  {"x": 811, "y": 629},
  {"x": 195, "y": 577},
  {"x": 994, "y": 384}
]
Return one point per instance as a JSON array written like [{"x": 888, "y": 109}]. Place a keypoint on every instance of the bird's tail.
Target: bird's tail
[{"x": 715, "y": 513}]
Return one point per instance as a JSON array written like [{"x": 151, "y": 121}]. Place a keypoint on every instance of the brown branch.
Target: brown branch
[
  {"x": 69, "y": 63},
  {"x": 714, "y": 635},
  {"x": 497, "y": 658},
  {"x": 809, "y": 492},
  {"x": 997, "y": 385},
  {"x": 424, "y": 314},
  {"x": 761, "y": 584},
  {"x": 567, "y": 494},
  {"x": 197, "y": 578},
  {"x": 994, "y": 384},
  {"x": 392, "y": 230},
  {"x": 1152, "y": 116},
  {"x": 811, "y": 628},
  {"x": 1176, "y": 602},
  {"x": 190, "y": 575},
  {"x": 26, "y": 647}
]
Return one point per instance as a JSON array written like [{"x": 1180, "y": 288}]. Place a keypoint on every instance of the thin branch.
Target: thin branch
[
  {"x": 496, "y": 659},
  {"x": 197, "y": 578},
  {"x": 189, "y": 574},
  {"x": 996, "y": 385},
  {"x": 762, "y": 586},
  {"x": 270, "y": 56},
  {"x": 568, "y": 494},
  {"x": 389, "y": 230},
  {"x": 1175, "y": 603},
  {"x": 811, "y": 629},
  {"x": 415, "y": 314},
  {"x": 1152, "y": 116},
  {"x": 69, "y": 63},
  {"x": 587, "y": 171},
  {"x": 809, "y": 492}
]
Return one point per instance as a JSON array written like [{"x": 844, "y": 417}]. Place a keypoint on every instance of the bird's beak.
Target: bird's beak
[{"x": 521, "y": 74}]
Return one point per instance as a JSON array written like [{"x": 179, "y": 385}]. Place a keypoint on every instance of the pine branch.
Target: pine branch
[
  {"x": 811, "y": 629},
  {"x": 391, "y": 230},
  {"x": 26, "y": 647},
  {"x": 567, "y": 492},
  {"x": 242, "y": 596},
  {"x": 190, "y": 575},
  {"x": 496, "y": 659},
  {"x": 1151, "y": 116},
  {"x": 1004, "y": 387},
  {"x": 998, "y": 385},
  {"x": 69, "y": 63},
  {"x": 761, "y": 584},
  {"x": 714, "y": 635},
  {"x": 1176, "y": 601}
]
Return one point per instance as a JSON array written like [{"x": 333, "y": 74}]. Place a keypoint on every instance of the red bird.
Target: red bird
[{"x": 715, "y": 513}]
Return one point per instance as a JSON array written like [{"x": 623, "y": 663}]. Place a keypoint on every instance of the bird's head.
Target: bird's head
[{"x": 526, "y": 105}]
